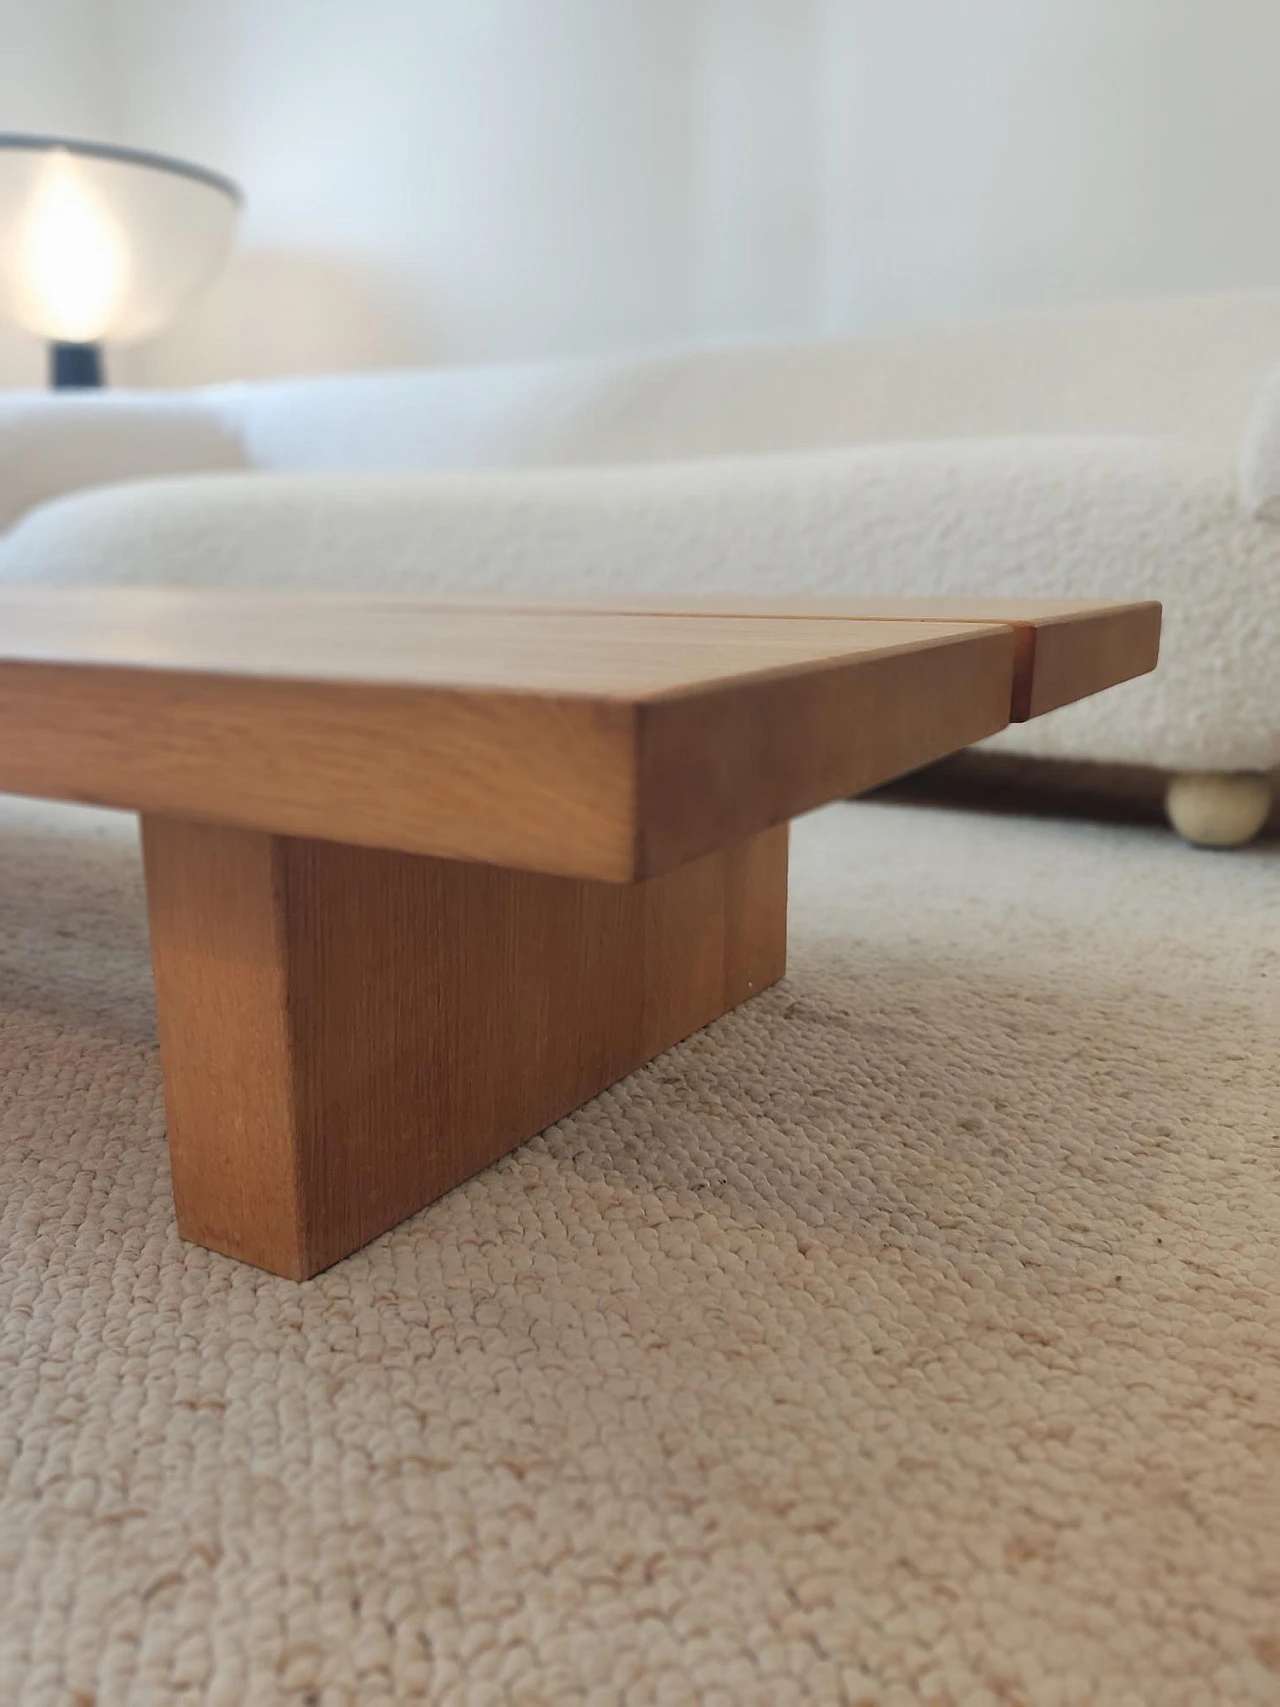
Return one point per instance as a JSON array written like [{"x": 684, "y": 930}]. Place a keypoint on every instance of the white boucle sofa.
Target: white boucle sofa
[{"x": 1125, "y": 452}]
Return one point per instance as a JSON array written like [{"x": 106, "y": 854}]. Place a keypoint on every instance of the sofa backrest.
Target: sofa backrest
[{"x": 1186, "y": 368}]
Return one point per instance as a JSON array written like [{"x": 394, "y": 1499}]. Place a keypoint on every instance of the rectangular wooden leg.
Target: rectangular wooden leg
[{"x": 348, "y": 1033}]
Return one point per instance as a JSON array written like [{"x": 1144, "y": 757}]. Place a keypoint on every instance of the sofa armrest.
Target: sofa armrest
[
  {"x": 1259, "y": 468},
  {"x": 53, "y": 443}
]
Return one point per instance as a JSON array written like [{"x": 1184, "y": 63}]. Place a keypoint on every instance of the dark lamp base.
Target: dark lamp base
[{"x": 75, "y": 367}]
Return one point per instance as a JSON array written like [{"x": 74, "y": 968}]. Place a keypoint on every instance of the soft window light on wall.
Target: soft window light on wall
[{"x": 103, "y": 245}]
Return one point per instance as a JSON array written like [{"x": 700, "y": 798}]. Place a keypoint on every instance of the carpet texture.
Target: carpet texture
[{"x": 910, "y": 1336}]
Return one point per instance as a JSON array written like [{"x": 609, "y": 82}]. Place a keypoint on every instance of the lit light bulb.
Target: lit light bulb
[{"x": 73, "y": 268}]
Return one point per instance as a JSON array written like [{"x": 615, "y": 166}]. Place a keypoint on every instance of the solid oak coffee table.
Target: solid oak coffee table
[{"x": 422, "y": 878}]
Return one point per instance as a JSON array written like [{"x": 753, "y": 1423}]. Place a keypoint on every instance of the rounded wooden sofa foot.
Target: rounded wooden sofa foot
[{"x": 1218, "y": 809}]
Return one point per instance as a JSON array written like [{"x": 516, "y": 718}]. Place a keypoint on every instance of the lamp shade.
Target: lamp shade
[{"x": 99, "y": 243}]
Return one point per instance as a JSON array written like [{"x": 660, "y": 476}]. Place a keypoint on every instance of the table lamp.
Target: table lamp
[{"x": 102, "y": 243}]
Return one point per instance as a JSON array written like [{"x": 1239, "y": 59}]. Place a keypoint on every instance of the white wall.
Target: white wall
[
  {"x": 459, "y": 179},
  {"x": 757, "y": 165},
  {"x": 431, "y": 178},
  {"x": 994, "y": 153}
]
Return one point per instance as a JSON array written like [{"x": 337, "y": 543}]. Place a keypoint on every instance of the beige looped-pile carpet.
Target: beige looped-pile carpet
[{"x": 910, "y": 1336}]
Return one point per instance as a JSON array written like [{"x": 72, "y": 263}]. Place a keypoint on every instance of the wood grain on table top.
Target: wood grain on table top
[
  {"x": 611, "y": 655},
  {"x": 1064, "y": 649},
  {"x": 595, "y": 743}
]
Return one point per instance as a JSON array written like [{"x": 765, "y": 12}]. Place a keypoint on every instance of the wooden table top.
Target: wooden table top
[{"x": 594, "y": 740}]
